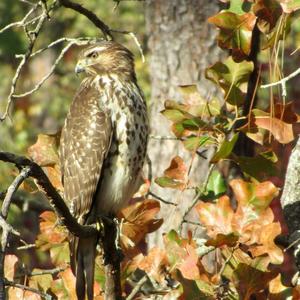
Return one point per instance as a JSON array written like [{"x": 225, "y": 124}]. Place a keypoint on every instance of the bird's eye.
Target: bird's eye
[{"x": 93, "y": 54}]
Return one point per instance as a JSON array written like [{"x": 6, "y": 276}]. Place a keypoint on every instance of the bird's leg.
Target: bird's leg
[{"x": 118, "y": 227}]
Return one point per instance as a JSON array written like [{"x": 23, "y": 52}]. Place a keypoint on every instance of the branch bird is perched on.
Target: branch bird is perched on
[{"x": 103, "y": 147}]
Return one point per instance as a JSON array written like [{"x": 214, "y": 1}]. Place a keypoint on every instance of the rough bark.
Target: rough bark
[
  {"x": 290, "y": 201},
  {"x": 182, "y": 44}
]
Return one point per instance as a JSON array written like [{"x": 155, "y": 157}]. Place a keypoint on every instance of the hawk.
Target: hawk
[{"x": 102, "y": 148}]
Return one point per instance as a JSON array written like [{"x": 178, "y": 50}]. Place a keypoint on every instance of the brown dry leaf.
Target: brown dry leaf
[
  {"x": 267, "y": 234},
  {"x": 189, "y": 267},
  {"x": 177, "y": 169},
  {"x": 174, "y": 175},
  {"x": 154, "y": 264},
  {"x": 9, "y": 266},
  {"x": 217, "y": 218},
  {"x": 139, "y": 219},
  {"x": 281, "y": 125}
]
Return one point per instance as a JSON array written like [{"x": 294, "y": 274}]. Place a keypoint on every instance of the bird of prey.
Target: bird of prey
[{"x": 102, "y": 148}]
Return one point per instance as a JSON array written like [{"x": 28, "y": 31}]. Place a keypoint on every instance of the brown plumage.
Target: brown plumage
[{"x": 103, "y": 146}]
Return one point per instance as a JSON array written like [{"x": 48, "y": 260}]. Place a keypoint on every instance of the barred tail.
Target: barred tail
[{"x": 82, "y": 256}]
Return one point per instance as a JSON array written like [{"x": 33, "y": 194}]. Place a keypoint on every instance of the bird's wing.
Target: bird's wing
[{"x": 85, "y": 141}]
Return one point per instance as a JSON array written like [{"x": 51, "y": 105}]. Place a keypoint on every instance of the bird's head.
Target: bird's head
[{"x": 106, "y": 57}]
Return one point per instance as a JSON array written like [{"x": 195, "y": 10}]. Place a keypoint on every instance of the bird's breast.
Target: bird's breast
[{"x": 124, "y": 161}]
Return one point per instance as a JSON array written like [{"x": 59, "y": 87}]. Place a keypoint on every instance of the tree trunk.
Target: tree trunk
[
  {"x": 182, "y": 44},
  {"x": 290, "y": 203}
]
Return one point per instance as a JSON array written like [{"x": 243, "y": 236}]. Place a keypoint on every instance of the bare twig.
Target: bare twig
[
  {"x": 160, "y": 137},
  {"x": 135, "y": 39},
  {"x": 26, "y": 247},
  {"x": 58, "y": 59},
  {"x": 43, "y": 272},
  {"x": 282, "y": 82},
  {"x": 161, "y": 199},
  {"x": 19, "y": 23},
  {"x": 90, "y": 15},
  {"x": 12, "y": 189},
  {"x": 197, "y": 196},
  {"x": 27, "y": 288},
  {"x": 137, "y": 288},
  {"x": 32, "y": 36}
]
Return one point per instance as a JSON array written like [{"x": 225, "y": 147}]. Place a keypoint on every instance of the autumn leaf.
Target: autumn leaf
[
  {"x": 249, "y": 275},
  {"x": 217, "y": 218},
  {"x": 154, "y": 264},
  {"x": 223, "y": 239},
  {"x": 268, "y": 13},
  {"x": 267, "y": 235},
  {"x": 53, "y": 238},
  {"x": 45, "y": 153},
  {"x": 182, "y": 256},
  {"x": 282, "y": 131},
  {"x": 9, "y": 266},
  {"x": 174, "y": 175},
  {"x": 278, "y": 291},
  {"x": 138, "y": 220}
]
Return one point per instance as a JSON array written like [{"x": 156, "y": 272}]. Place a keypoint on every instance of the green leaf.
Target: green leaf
[
  {"x": 216, "y": 183},
  {"x": 168, "y": 182},
  {"x": 225, "y": 149},
  {"x": 174, "y": 115},
  {"x": 231, "y": 77},
  {"x": 235, "y": 32},
  {"x": 239, "y": 6},
  {"x": 194, "y": 142},
  {"x": 260, "y": 167},
  {"x": 193, "y": 124}
]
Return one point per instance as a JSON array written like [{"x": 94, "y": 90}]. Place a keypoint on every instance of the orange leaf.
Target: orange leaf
[
  {"x": 278, "y": 291},
  {"x": 44, "y": 151},
  {"x": 189, "y": 267},
  {"x": 69, "y": 282},
  {"x": 51, "y": 233},
  {"x": 217, "y": 217},
  {"x": 267, "y": 246},
  {"x": 9, "y": 266},
  {"x": 139, "y": 219},
  {"x": 155, "y": 263}
]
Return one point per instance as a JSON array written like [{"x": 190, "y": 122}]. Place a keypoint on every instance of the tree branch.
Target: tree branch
[
  {"x": 27, "y": 288},
  {"x": 6, "y": 228},
  {"x": 53, "y": 196},
  {"x": 90, "y": 15}
]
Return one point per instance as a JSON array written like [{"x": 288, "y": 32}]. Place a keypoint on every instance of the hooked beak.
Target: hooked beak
[{"x": 79, "y": 68}]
